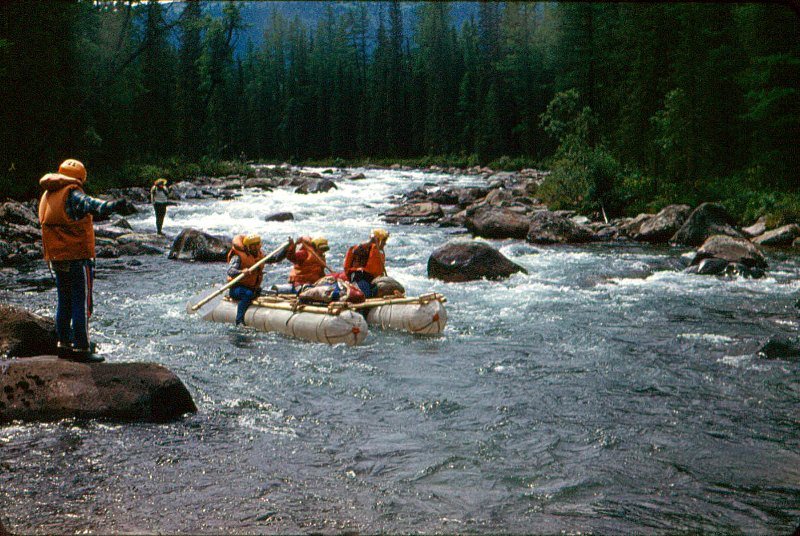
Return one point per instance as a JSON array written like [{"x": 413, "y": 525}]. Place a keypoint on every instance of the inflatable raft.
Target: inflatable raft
[{"x": 338, "y": 323}]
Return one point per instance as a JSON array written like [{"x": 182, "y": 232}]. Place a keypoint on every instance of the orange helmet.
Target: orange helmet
[{"x": 73, "y": 168}]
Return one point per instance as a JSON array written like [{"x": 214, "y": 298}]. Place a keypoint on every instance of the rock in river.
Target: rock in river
[
  {"x": 663, "y": 225},
  {"x": 23, "y": 334},
  {"x": 279, "y": 216},
  {"x": 194, "y": 245},
  {"x": 706, "y": 220},
  {"x": 550, "y": 228},
  {"x": 722, "y": 253},
  {"x": 425, "y": 212},
  {"x": 781, "y": 347},
  {"x": 46, "y": 388},
  {"x": 468, "y": 260},
  {"x": 782, "y": 236},
  {"x": 315, "y": 186},
  {"x": 495, "y": 222}
]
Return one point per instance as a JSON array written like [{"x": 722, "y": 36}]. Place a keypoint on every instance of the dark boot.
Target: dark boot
[
  {"x": 64, "y": 350},
  {"x": 85, "y": 356}
]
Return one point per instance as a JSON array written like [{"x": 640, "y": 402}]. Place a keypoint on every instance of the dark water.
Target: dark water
[{"x": 605, "y": 392}]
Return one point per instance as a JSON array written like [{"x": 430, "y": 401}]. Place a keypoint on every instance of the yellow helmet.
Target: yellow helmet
[
  {"x": 73, "y": 168},
  {"x": 160, "y": 181},
  {"x": 380, "y": 234},
  {"x": 251, "y": 240},
  {"x": 320, "y": 243}
]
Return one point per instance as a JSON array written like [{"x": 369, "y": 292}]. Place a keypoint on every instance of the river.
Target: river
[{"x": 604, "y": 392}]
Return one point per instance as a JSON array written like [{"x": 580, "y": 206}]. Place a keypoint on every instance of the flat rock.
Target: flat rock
[
  {"x": 425, "y": 212},
  {"x": 758, "y": 228},
  {"x": 354, "y": 177},
  {"x": 782, "y": 236},
  {"x": 497, "y": 222},
  {"x": 24, "y": 334},
  {"x": 732, "y": 250},
  {"x": 469, "y": 260},
  {"x": 46, "y": 388}
]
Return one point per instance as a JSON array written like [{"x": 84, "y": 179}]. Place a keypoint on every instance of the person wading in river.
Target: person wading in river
[
  {"x": 364, "y": 262},
  {"x": 309, "y": 261},
  {"x": 159, "y": 197},
  {"x": 246, "y": 251},
  {"x": 66, "y": 215}
]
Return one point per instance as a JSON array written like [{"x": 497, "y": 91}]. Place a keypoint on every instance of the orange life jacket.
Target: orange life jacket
[
  {"x": 365, "y": 257},
  {"x": 307, "y": 271},
  {"x": 252, "y": 280},
  {"x": 63, "y": 239}
]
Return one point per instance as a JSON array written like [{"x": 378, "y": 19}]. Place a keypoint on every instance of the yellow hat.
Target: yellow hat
[
  {"x": 73, "y": 168},
  {"x": 380, "y": 234},
  {"x": 251, "y": 240},
  {"x": 321, "y": 243},
  {"x": 160, "y": 181}
]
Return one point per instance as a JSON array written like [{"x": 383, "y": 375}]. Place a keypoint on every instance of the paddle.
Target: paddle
[
  {"x": 207, "y": 304},
  {"x": 313, "y": 253}
]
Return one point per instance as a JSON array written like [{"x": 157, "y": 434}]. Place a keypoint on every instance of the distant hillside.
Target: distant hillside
[{"x": 257, "y": 14}]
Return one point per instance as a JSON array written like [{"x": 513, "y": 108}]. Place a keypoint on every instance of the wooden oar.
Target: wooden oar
[{"x": 208, "y": 303}]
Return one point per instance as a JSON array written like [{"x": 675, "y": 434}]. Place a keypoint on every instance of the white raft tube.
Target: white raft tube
[
  {"x": 346, "y": 327},
  {"x": 426, "y": 317}
]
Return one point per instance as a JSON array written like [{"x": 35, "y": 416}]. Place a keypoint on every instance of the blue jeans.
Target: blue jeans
[
  {"x": 364, "y": 283},
  {"x": 245, "y": 296},
  {"x": 74, "y": 282}
]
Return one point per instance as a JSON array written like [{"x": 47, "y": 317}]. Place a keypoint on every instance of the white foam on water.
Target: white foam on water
[{"x": 709, "y": 337}]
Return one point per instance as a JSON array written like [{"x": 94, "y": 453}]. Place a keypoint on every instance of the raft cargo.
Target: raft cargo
[{"x": 338, "y": 322}]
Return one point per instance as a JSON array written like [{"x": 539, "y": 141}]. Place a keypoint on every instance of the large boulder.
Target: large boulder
[
  {"x": 729, "y": 255},
  {"x": 23, "y": 334},
  {"x": 758, "y": 228},
  {"x": 495, "y": 222},
  {"x": 387, "y": 286},
  {"x": 782, "y": 236},
  {"x": 315, "y": 186},
  {"x": 194, "y": 245},
  {"x": 463, "y": 260},
  {"x": 661, "y": 227},
  {"x": 46, "y": 388},
  {"x": 17, "y": 213},
  {"x": 550, "y": 228},
  {"x": 630, "y": 227},
  {"x": 706, "y": 220},
  {"x": 425, "y": 212}
]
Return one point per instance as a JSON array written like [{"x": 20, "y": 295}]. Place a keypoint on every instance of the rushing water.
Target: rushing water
[{"x": 606, "y": 391}]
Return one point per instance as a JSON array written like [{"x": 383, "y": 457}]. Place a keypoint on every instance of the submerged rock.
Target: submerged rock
[
  {"x": 194, "y": 245},
  {"x": 46, "y": 388},
  {"x": 707, "y": 220},
  {"x": 464, "y": 260},
  {"x": 279, "y": 216},
  {"x": 781, "y": 347},
  {"x": 24, "y": 334},
  {"x": 495, "y": 222},
  {"x": 550, "y": 228}
]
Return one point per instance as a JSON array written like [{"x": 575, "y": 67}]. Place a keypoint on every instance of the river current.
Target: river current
[{"x": 603, "y": 392}]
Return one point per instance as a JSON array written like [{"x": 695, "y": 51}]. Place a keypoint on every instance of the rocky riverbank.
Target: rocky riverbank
[{"x": 35, "y": 385}]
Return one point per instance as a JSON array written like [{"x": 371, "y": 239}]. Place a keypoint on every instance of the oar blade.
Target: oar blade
[{"x": 206, "y": 308}]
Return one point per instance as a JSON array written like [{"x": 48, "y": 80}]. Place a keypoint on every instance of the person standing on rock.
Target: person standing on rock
[
  {"x": 244, "y": 253},
  {"x": 159, "y": 197},
  {"x": 66, "y": 215},
  {"x": 364, "y": 262}
]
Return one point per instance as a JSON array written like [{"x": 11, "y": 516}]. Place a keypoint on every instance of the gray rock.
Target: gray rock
[
  {"x": 550, "y": 228},
  {"x": 260, "y": 182},
  {"x": 630, "y": 227},
  {"x": 425, "y": 212},
  {"x": 279, "y": 216},
  {"x": 195, "y": 245},
  {"x": 316, "y": 186},
  {"x": 354, "y": 177},
  {"x": 782, "y": 236},
  {"x": 462, "y": 260},
  {"x": 46, "y": 388},
  {"x": 661, "y": 227},
  {"x": 707, "y": 220},
  {"x": 17, "y": 213},
  {"x": 24, "y": 334},
  {"x": 731, "y": 250},
  {"x": 758, "y": 228},
  {"x": 388, "y": 286},
  {"x": 496, "y": 222}
]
